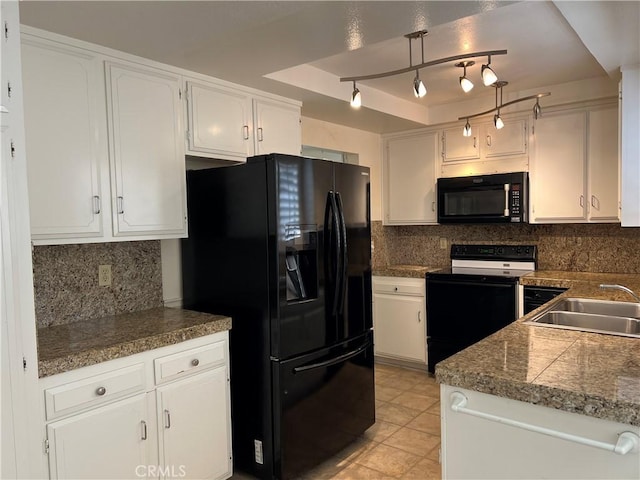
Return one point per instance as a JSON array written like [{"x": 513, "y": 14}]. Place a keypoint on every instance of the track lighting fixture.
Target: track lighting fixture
[
  {"x": 356, "y": 98},
  {"x": 489, "y": 77},
  {"x": 537, "y": 110},
  {"x": 466, "y": 131},
  {"x": 497, "y": 119},
  {"x": 419, "y": 88},
  {"x": 465, "y": 83}
]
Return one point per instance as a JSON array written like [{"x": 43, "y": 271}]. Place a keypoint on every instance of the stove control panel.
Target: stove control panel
[{"x": 494, "y": 252}]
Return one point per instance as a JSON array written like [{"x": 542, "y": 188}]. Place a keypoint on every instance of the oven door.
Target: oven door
[{"x": 464, "y": 309}]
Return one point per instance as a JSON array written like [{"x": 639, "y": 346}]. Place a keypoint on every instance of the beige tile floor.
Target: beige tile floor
[{"x": 404, "y": 443}]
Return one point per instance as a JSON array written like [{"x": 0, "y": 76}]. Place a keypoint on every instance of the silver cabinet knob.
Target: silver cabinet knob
[
  {"x": 195, "y": 362},
  {"x": 101, "y": 391}
]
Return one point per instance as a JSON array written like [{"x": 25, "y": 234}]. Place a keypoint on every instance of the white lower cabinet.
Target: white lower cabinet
[
  {"x": 474, "y": 447},
  {"x": 107, "y": 442},
  {"x": 399, "y": 319},
  {"x": 163, "y": 413},
  {"x": 191, "y": 426}
]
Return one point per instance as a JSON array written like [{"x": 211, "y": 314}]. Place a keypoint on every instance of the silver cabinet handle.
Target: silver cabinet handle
[
  {"x": 475, "y": 145},
  {"x": 260, "y": 138},
  {"x": 144, "y": 430},
  {"x": 246, "y": 132},
  {"x": 100, "y": 391},
  {"x": 120, "y": 204},
  {"x": 433, "y": 206},
  {"x": 488, "y": 140},
  {"x": 582, "y": 201},
  {"x": 419, "y": 319},
  {"x": 195, "y": 362},
  {"x": 96, "y": 204},
  {"x": 167, "y": 419},
  {"x": 595, "y": 203}
]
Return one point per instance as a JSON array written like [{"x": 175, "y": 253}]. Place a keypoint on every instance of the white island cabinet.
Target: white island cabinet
[
  {"x": 160, "y": 413},
  {"x": 492, "y": 437}
]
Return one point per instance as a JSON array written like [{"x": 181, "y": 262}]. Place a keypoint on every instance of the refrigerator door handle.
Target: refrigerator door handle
[
  {"x": 338, "y": 250},
  {"x": 343, "y": 258},
  {"x": 332, "y": 361}
]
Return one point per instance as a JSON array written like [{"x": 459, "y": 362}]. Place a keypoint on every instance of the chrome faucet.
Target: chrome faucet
[{"x": 605, "y": 286}]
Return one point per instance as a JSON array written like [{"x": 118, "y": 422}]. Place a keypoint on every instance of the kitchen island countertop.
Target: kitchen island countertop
[
  {"x": 587, "y": 373},
  {"x": 80, "y": 344}
]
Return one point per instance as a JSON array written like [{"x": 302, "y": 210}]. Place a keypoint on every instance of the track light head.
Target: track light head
[
  {"x": 497, "y": 121},
  {"x": 465, "y": 83},
  {"x": 419, "y": 90},
  {"x": 466, "y": 131},
  {"x": 537, "y": 110},
  {"x": 489, "y": 77},
  {"x": 356, "y": 97}
]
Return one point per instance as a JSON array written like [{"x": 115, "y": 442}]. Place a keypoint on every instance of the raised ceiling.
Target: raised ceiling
[{"x": 299, "y": 49}]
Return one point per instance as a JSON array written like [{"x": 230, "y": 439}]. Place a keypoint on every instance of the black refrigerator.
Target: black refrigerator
[{"x": 282, "y": 244}]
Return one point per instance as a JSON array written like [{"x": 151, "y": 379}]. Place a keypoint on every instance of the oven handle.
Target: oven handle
[
  {"x": 510, "y": 283},
  {"x": 507, "y": 187}
]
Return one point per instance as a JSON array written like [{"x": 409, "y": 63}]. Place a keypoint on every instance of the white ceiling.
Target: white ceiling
[{"x": 305, "y": 46}]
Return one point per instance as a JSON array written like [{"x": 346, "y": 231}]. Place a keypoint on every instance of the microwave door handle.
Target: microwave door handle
[{"x": 507, "y": 187}]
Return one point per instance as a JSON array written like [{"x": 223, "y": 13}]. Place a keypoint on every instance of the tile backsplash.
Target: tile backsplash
[
  {"x": 66, "y": 286},
  {"x": 570, "y": 247}
]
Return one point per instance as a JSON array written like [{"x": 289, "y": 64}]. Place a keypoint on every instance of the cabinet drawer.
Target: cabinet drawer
[
  {"x": 190, "y": 361},
  {"x": 94, "y": 391},
  {"x": 399, "y": 288}
]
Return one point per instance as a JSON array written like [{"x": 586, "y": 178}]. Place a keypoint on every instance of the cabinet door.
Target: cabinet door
[
  {"x": 194, "y": 418},
  {"x": 558, "y": 174},
  {"x": 604, "y": 166},
  {"x": 456, "y": 147},
  {"x": 277, "y": 128},
  {"x": 511, "y": 140},
  {"x": 66, "y": 140},
  {"x": 409, "y": 178},
  {"x": 399, "y": 327},
  {"x": 219, "y": 121},
  {"x": 115, "y": 441},
  {"x": 148, "y": 162}
]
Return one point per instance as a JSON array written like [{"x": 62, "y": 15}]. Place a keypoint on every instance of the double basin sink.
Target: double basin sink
[{"x": 589, "y": 315}]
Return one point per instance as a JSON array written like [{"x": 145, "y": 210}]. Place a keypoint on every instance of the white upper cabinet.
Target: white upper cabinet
[
  {"x": 575, "y": 172},
  {"x": 66, "y": 140},
  {"x": 220, "y": 122},
  {"x": 231, "y": 124},
  {"x": 148, "y": 165},
  {"x": 604, "y": 166},
  {"x": 277, "y": 127},
  {"x": 410, "y": 179},
  {"x": 488, "y": 150}
]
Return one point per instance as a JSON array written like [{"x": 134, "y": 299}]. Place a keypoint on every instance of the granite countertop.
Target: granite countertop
[
  {"x": 587, "y": 373},
  {"x": 409, "y": 271},
  {"x": 80, "y": 344}
]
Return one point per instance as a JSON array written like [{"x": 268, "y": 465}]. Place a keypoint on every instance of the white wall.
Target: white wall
[{"x": 367, "y": 145}]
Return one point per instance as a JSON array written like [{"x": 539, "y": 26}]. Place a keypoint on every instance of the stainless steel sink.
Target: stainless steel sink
[
  {"x": 588, "y": 315},
  {"x": 600, "y": 307}
]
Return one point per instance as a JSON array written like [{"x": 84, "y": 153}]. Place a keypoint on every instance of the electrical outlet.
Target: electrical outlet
[
  {"x": 443, "y": 243},
  {"x": 104, "y": 275}
]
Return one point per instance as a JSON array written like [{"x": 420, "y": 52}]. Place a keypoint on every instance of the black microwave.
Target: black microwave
[{"x": 496, "y": 198}]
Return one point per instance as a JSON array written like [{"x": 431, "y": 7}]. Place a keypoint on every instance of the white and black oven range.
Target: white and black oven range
[{"x": 477, "y": 296}]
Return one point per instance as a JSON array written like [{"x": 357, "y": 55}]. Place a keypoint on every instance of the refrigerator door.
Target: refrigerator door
[
  {"x": 302, "y": 230},
  {"x": 322, "y": 402},
  {"x": 352, "y": 186}
]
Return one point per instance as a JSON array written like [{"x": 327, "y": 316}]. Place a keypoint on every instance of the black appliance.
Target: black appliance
[
  {"x": 282, "y": 244},
  {"x": 497, "y": 198},
  {"x": 535, "y": 297},
  {"x": 474, "y": 298}
]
